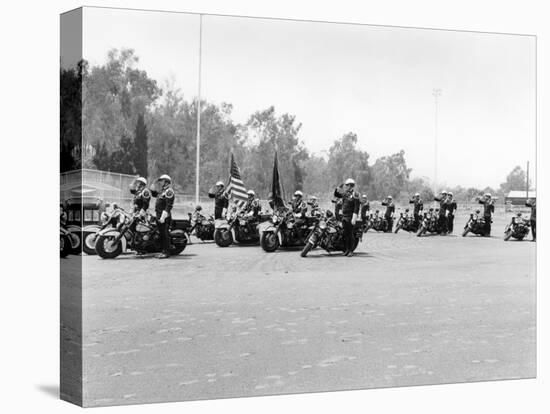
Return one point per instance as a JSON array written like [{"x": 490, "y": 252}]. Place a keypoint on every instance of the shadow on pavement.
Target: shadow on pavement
[{"x": 51, "y": 390}]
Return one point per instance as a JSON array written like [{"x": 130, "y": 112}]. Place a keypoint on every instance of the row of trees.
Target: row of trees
[{"x": 129, "y": 124}]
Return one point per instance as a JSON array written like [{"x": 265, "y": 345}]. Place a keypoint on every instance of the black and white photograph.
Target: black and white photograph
[{"x": 259, "y": 206}]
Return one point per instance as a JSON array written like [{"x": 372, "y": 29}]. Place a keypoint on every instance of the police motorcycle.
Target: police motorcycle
[
  {"x": 475, "y": 225},
  {"x": 328, "y": 233},
  {"x": 238, "y": 227},
  {"x": 201, "y": 226},
  {"x": 287, "y": 229},
  {"x": 406, "y": 222},
  {"x": 69, "y": 240},
  {"x": 429, "y": 223},
  {"x": 518, "y": 228},
  {"x": 379, "y": 223},
  {"x": 140, "y": 233}
]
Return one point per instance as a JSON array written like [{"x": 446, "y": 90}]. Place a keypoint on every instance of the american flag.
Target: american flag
[{"x": 236, "y": 189}]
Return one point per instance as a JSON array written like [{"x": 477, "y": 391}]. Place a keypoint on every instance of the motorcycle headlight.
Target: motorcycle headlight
[
  {"x": 322, "y": 225},
  {"x": 275, "y": 219}
]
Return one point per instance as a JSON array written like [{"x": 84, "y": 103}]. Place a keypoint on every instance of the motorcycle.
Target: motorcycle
[
  {"x": 379, "y": 223},
  {"x": 65, "y": 244},
  {"x": 140, "y": 234},
  {"x": 238, "y": 227},
  {"x": 285, "y": 229},
  {"x": 475, "y": 225},
  {"x": 328, "y": 233},
  {"x": 430, "y": 223},
  {"x": 111, "y": 220},
  {"x": 202, "y": 226},
  {"x": 406, "y": 222},
  {"x": 518, "y": 228}
]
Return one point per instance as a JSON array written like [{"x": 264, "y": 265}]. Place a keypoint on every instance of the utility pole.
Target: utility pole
[
  {"x": 197, "y": 177},
  {"x": 527, "y": 183},
  {"x": 436, "y": 94}
]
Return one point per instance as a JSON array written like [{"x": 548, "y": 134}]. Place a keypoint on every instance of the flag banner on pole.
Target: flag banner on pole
[
  {"x": 236, "y": 189},
  {"x": 276, "y": 191}
]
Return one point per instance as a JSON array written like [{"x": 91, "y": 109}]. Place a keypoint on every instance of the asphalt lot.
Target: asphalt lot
[{"x": 237, "y": 321}]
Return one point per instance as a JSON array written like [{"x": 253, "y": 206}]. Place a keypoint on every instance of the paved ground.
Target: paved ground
[{"x": 237, "y": 321}]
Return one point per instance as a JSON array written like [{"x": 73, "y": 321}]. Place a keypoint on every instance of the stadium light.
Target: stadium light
[{"x": 436, "y": 92}]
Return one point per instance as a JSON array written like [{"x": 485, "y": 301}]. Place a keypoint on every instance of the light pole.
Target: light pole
[
  {"x": 436, "y": 94},
  {"x": 198, "y": 118}
]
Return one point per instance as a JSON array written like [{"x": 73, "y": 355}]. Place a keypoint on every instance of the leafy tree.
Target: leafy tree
[
  {"x": 516, "y": 180},
  {"x": 346, "y": 160},
  {"x": 390, "y": 175}
]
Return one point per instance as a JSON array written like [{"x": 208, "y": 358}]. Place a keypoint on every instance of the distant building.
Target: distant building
[{"x": 518, "y": 198}]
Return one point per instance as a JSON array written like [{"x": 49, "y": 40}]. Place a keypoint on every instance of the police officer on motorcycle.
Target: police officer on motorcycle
[
  {"x": 252, "y": 206},
  {"x": 451, "y": 206},
  {"x": 142, "y": 196},
  {"x": 298, "y": 205},
  {"x": 221, "y": 200},
  {"x": 163, "y": 207},
  {"x": 314, "y": 206},
  {"x": 533, "y": 218},
  {"x": 350, "y": 212},
  {"x": 488, "y": 210},
  {"x": 388, "y": 214},
  {"x": 365, "y": 208},
  {"x": 417, "y": 208}
]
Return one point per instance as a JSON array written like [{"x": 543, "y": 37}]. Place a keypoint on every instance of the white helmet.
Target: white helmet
[
  {"x": 165, "y": 177},
  {"x": 444, "y": 192},
  {"x": 141, "y": 180},
  {"x": 488, "y": 195},
  {"x": 450, "y": 193},
  {"x": 350, "y": 181},
  {"x": 390, "y": 198},
  {"x": 313, "y": 198},
  {"x": 417, "y": 194},
  {"x": 298, "y": 193},
  {"x": 364, "y": 196},
  {"x": 251, "y": 192},
  {"x": 220, "y": 183}
]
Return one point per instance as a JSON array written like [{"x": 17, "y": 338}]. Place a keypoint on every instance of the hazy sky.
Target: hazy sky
[{"x": 374, "y": 81}]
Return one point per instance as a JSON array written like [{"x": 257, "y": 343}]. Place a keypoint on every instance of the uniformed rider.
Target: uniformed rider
[
  {"x": 388, "y": 214},
  {"x": 252, "y": 206},
  {"x": 418, "y": 207},
  {"x": 142, "y": 196},
  {"x": 533, "y": 218},
  {"x": 163, "y": 207},
  {"x": 442, "y": 219},
  {"x": 298, "y": 205},
  {"x": 350, "y": 212},
  {"x": 221, "y": 201},
  {"x": 488, "y": 210},
  {"x": 451, "y": 207}
]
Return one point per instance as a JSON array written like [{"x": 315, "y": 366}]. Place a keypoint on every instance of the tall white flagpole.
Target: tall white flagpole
[{"x": 197, "y": 177}]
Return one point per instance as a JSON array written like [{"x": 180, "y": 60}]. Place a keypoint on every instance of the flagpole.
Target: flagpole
[{"x": 197, "y": 177}]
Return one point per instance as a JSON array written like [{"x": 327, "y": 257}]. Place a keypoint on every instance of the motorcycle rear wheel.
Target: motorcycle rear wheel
[
  {"x": 223, "y": 237},
  {"x": 269, "y": 241},
  {"x": 106, "y": 249},
  {"x": 64, "y": 246}
]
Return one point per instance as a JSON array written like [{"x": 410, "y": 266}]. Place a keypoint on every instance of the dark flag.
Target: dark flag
[
  {"x": 236, "y": 189},
  {"x": 276, "y": 192}
]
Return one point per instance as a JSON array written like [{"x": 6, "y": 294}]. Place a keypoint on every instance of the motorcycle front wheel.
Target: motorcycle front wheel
[
  {"x": 223, "y": 237},
  {"x": 507, "y": 235},
  {"x": 106, "y": 249},
  {"x": 269, "y": 241},
  {"x": 88, "y": 244},
  {"x": 307, "y": 248}
]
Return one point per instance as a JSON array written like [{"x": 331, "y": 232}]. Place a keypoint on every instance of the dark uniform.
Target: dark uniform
[
  {"x": 442, "y": 220},
  {"x": 488, "y": 210},
  {"x": 220, "y": 202},
  {"x": 365, "y": 208},
  {"x": 417, "y": 208},
  {"x": 298, "y": 206},
  {"x": 337, "y": 208},
  {"x": 533, "y": 219},
  {"x": 252, "y": 205},
  {"x": 388, "y": 214},
  {"x": 165, "y": 202},
  {"x": 451, "y": 208},
  {"x": 350, "y": 206},
  {"x": 142, "y": 198}
]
